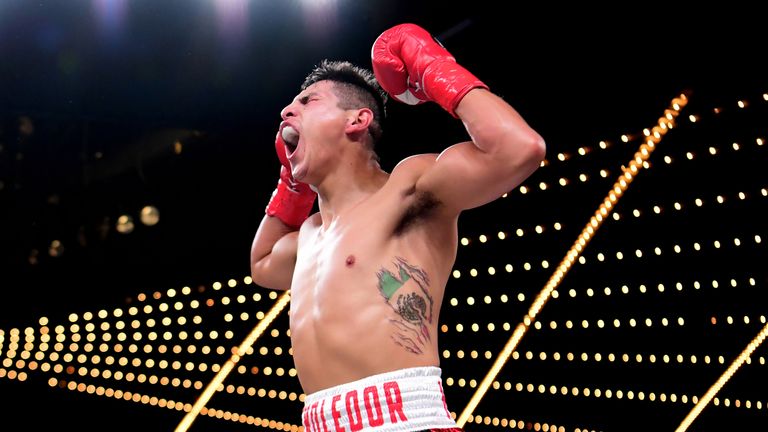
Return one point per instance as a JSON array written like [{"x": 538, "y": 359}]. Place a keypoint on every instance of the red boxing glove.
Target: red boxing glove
[
  {"x": 291, "y": 201},
  {"x": 413, "y": 67}
]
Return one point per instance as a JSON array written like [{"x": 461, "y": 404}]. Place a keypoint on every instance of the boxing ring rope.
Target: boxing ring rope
[
  {"x": 219, "y": 378},
  {"x": 628, "y": 174}
]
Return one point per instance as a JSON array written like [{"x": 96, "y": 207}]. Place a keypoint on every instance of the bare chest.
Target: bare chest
[
  {"x": 330, "y": 262},
  {"x": 382, "y": 265}
]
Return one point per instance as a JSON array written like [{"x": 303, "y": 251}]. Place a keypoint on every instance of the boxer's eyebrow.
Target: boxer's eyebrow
[{"x": 305, "y": 98}]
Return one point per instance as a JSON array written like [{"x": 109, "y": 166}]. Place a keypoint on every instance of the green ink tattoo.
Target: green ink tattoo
[
  {"x": 406, "y": 291},
  {"x": 388, "y": 283}
]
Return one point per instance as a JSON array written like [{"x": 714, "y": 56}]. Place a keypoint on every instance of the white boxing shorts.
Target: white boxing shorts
[{"x": 403, "y": 400}]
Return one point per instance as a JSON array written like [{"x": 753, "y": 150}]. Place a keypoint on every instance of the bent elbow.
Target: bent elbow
[
  {"x": 527, "y": 152},
  {"x": 522, "y": 159},
  {"x": 257, "y": 271},
  {"x": 262, "y": 277},
  {"x": 255, "y": 274},
  {"x": 267, "y": 272},
  {"x": 537, "y": 149}
]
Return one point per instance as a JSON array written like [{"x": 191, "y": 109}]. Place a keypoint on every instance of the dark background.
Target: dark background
[{"x": 107, "y": 106}]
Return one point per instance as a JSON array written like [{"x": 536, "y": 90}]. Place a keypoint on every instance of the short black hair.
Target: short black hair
[{"x": 356, "y": 87}]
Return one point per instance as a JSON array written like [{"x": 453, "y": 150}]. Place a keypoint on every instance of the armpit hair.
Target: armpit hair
[{"x": 423, "y": 206}]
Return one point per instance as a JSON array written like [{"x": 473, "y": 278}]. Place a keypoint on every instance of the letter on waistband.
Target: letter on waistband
[
  {"x": 336, "y": 414},
  {"x": 394, "y": 401},
  {"x": 355, "y": 417},
  {"x": 371, "y": 395}
]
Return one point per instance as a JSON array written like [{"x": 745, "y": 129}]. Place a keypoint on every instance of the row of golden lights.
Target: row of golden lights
[
  {"x": 162, "y": 307},
  {"x": 599, "y": 357},
  {"x": 637, "y": 213},
  {"x": 166, "y": 307},
  {"x": 599, "y": 323},
  {"x": 186, "y": 291},
  {"x": 601, "y": 257},
  {"x": 713, "y": 150},
  {"x": 25, "y": 361},
  {"x": 660, "y": 287},
  {"x": 29, "y": 346},
  {"x": 656, "y": 131},
  {"x": 291, "y": 372},
  {"x": 631, "y": 322},
  {"x": 604, "y": 173},
  {"x": 30, "y": 350},
  {"x": 618, "y": 394},
  {"x": 520, "y": 424},
  {"x": 147, "y": 379},
  {"x": 642, "y": 289}
]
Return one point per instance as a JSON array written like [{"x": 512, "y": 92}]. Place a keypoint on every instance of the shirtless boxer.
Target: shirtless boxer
[{"x": 367, "y": 273}]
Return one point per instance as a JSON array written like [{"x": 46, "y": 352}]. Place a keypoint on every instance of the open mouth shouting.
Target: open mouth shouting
[{"x": 291, "y": 138}]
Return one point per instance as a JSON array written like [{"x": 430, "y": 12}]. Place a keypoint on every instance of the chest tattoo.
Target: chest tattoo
[{"x": 406, "y": 291}]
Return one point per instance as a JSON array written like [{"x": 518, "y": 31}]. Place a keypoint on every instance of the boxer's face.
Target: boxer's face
[{"x": 318, "y": 122}]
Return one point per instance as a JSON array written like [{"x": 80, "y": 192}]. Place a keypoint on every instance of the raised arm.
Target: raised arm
[
  {"x": 414, "y": 68},
  {"x": 273, "y": 252}
]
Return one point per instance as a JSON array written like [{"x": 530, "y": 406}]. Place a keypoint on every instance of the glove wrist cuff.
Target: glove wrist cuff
[
  {"x": 291, "y": 205},
  {"x": 446, "y": 82}
]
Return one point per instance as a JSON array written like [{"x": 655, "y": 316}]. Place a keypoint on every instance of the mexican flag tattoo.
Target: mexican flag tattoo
[{"x": 406, "y": 291}]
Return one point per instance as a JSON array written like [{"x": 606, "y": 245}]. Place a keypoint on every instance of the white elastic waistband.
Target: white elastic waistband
[{"x": 404, "y": 400}]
